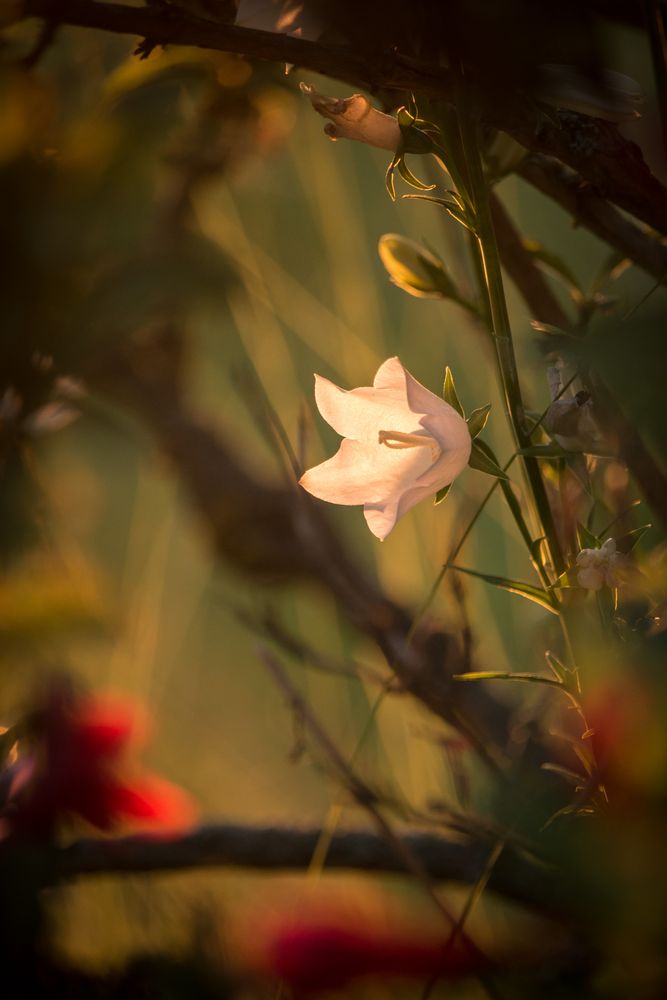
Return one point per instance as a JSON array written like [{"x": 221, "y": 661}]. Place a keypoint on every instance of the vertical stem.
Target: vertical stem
[{"x": 490, "y": 257}]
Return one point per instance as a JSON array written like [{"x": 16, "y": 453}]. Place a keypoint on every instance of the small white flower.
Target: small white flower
[
  {"x": 355, "y": 118},
  {"x": 401, "y": 443},
  {"x": 597, "y": 567}
]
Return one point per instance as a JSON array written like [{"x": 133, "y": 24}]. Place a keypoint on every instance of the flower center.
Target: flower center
[{"x": 398, "y": 439}]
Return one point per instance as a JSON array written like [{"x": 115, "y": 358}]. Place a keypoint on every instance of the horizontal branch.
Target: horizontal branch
[
  {"x": 595, "y": 149},
  {"x": 590, "y": 210},
  {"x": 229, "y": 845}
]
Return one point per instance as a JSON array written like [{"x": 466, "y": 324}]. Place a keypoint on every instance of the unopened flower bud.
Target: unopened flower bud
[{"x": 414, "y": 268}]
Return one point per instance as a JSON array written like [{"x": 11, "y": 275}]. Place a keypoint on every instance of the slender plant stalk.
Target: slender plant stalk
[{"x": 502, "y": 332}]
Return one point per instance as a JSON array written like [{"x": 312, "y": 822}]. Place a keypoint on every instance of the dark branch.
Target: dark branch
[
  {"x": 270, "y": 848},
  {"x": 539, "y": 298},
  {"x": 277, "y": 535},
  {"x": 594, "y": 148},
  {"x": 589, "y": 209},
  {"x": 529, "y": 280}
]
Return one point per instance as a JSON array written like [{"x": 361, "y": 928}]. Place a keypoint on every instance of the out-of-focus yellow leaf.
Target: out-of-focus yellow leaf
[{"x": 39, "y": 602}]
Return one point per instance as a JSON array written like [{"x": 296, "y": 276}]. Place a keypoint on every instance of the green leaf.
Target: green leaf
[
  {"x": 483, "y": 463},
  {"x": 449, "y": 206},
  {"x": 627, "y": 542},
  {"x": 477, "y": 420},
  {"x": 449, "y": 392},
  {"x": 499, "y": 675},
  {"x": 515, "y": 507},
  {"x": 442, "y": 494},
  {"x": 389, "y": 177},
  {"x": 557, "y": 666},
  {"x": 535, "y": 594},
  {"x": 586, "y": 538},
  {"x": 410, "y": 178},
  {"x": 566, "y": 580}
]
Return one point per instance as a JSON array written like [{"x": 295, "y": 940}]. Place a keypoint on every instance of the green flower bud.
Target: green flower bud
[{"x": 415, "y": 269}]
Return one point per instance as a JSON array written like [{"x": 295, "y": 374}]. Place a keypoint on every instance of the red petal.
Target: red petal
[
  {"x": 104, "y": 726},
  {"x": 155, "y": 801}
]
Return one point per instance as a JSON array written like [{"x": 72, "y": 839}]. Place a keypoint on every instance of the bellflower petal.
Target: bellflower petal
[{"x": 401, "y": 443}]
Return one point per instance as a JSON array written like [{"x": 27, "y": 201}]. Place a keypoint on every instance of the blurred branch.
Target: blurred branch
[
  {"x": 359, "y": 790},
  {"x": 278, "y": 848},
  {"x": 589, "y": 209},
  {"x": 594, "y": 148},
  {"x": 530, "y": 281},
  {"x": 544, "y": 307},
  {"x": 279, "y": 535}
]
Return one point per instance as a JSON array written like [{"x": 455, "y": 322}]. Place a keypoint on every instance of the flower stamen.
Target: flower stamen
[{"x": 399, "y": 439}]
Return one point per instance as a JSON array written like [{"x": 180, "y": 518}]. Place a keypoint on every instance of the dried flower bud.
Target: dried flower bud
[{"x": 355, "y": 118}]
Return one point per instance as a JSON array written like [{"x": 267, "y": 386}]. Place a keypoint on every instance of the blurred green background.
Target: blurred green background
[{"x": 277, "y": 275}]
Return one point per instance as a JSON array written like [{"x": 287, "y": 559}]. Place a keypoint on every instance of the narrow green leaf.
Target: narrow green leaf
[
  {"x": 449, "y": 393},
  {"x": 483, "y": 463},
  {"x": 586, "y": 538},
  {"x": 406, "y": 116},
  {"x": 533, "y": 545},
  {"x": 410, "y": 178},
  {"x": 446, "y": 203},
  {"x": 565, "y": 580},
  {"x": 389, "y": 177},
  {"x": 499, "y": 675},
  {"x": 477, "y": 420},
  {"x": 627, "y": 542},
  {"x": 449, "y": 206},
  {"x": 535, "y": 594},
  {"x": 460, "y": 216},
  {"x": 442, "y": 494},
  {"x": 557, "y": 666}
]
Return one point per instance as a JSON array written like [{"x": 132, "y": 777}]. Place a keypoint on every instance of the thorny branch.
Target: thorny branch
[{"x": 595, "y": 149}]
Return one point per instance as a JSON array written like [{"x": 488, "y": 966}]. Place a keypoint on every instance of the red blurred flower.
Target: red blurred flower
[
  {"x": 316, "y": 957},
  {"x": 81, "y": 765},
  {"x": 626, "y": 716}
]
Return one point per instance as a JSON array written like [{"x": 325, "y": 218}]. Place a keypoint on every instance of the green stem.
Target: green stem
[{"x": 488, "y": 249}]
